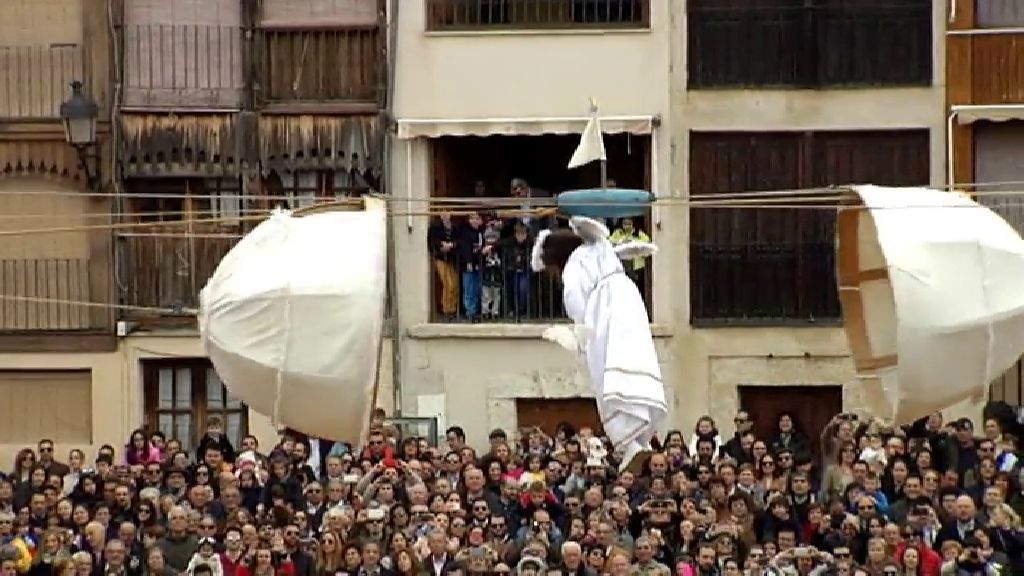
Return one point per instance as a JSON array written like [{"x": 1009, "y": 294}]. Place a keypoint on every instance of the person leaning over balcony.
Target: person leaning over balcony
[
  {"x": 520, "y": 188},
  {"x": 441, "y": 239}
]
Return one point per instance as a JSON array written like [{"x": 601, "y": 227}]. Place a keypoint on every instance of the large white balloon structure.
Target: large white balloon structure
[
  {"x": 292, "y": 319},
  {"x": 932, "y": 289}
]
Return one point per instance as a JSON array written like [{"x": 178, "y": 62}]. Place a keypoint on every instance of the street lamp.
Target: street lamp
[{"x": 79, "y": 116}]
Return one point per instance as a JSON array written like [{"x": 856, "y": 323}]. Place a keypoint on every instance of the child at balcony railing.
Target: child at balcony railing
[
  {"x": 625, "y": 233},
  {"x": 517, "y": 262},
  {"x": 470, "y": 253},
  {"x": 492, "y": 270}
]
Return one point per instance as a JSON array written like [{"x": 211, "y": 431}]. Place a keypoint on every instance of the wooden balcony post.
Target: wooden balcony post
[{"x": 960, "y": 88}]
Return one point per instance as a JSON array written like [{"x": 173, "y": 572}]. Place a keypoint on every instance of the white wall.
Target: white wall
[{"x": 508, "y": 74}]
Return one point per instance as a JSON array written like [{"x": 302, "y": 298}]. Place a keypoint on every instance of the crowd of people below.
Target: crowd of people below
[
  {"x": 482, "y": 263},
  {"x": 865, "y": 499}
]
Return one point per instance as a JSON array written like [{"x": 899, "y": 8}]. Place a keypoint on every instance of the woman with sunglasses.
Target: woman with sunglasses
[
  {"x": 330, "y": 557},
  {"x": 770, "y": 478}
]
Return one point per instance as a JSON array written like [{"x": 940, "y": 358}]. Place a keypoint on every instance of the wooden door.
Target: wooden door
[
  {"x": 811, "y": 406},
  {"x": 548, "y": 413}
]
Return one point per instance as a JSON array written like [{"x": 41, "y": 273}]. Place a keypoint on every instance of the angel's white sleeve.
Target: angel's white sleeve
[{"x": 573, "y": 295}]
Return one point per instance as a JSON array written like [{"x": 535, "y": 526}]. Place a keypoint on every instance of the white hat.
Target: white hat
[{"x": 247, "y": 457}]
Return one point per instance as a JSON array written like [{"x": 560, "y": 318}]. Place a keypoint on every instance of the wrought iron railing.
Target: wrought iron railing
[
  {"x": 536, "y": 14},
  {"x": 507, "y": 291}
]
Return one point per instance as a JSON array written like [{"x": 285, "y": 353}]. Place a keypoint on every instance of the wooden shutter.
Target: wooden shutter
[{"x": 55, "y": 404}]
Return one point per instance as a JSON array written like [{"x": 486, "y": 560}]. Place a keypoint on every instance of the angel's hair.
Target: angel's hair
[{"x": 558, "y": 246}]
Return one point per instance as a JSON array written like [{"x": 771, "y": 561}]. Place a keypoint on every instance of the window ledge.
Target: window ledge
[
  {"x": 705, "y": 324},
  {"x": 483, "y": 31},
  {"x": 431, "y": 331}
]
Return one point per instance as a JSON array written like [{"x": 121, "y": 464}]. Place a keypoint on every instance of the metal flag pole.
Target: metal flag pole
[{"x": 604, "y": 161}]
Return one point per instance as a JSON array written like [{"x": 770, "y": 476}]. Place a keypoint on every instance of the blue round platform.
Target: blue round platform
[{"x": 605, "y": 202}]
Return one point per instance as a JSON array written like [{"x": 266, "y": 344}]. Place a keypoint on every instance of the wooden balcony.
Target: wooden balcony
[
  {"x": 162, "y": 269},
  {"x": 986, "y": 68},
  {"x": 536, "y": 14},
  {"x": 183, "y": 66},
  {"x": 34, "y": 80},
  {"x": 309, "y": 66}
]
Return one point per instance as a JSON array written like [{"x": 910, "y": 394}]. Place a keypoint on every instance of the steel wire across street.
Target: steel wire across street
[{"x": 827, "y": 198}]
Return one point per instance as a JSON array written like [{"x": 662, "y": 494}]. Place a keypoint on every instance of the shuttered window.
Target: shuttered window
[
  {"x": 794, "y": 43},
  {"x": 777, "y": 265}
]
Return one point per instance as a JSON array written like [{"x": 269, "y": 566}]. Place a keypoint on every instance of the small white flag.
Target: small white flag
[{"x": 591, "y": 144}]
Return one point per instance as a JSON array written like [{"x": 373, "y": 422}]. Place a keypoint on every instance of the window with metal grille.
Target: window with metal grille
[{"x": 809, "y": 43}]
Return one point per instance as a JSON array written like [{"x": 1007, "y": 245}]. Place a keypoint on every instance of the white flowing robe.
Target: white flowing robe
[{"x": 617, "y": 344}]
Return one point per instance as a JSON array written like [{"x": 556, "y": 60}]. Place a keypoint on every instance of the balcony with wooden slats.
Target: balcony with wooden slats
[
  {"x": 314, "y": 67},
  {"x": 985, "y": 53},
  {"x": 164, "y": 269},
  {"x": 183, "y": 66},
  {"x": 984, "y": 82}
]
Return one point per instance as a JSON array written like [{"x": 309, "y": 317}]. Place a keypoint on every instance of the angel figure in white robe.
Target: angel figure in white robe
[{"x": 610, "y": 331}]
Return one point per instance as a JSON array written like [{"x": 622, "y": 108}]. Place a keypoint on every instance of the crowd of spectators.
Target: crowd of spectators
[{"x": 865, "y": 499}]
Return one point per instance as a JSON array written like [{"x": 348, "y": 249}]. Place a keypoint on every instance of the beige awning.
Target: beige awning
[
  {"x": 435, "y": 128},
  {"x": 988, "y": 113}
]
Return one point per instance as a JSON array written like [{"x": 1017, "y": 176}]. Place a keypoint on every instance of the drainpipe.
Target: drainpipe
[
  {"x": 115, "y": 22},
  {"x": 950, "y": 125},
  {"x": 391, "y": 25}
]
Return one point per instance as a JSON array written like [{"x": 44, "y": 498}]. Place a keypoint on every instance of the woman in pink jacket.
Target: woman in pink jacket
[{"x": 140, "y": 451}]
